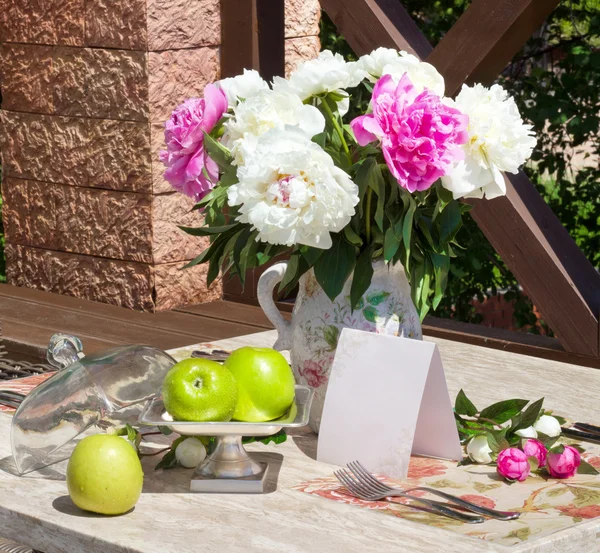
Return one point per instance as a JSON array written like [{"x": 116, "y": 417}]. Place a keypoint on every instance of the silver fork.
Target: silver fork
[
  {"x": 364, "y": 476},
  {"x": 363, "y": 491}
]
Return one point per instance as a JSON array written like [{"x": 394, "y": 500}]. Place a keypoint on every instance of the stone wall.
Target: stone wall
[{"x": 86, "y": 86}]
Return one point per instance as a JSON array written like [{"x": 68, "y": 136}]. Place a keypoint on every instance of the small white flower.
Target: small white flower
[
  {"x": 479, "y": 450},
  {"x": 190, "y": 453},
  {"x": 326, "y": 73},
  {"x": 386, "y": 61},
  {"x": 498, "y": 141},
  {"x": 291, "y": 192},
  {"x": 548, "y": 425},
  {"x": 244, "y": 86},
  {"x": 265, "y": 110},
  {"x": 528, "y": 432}
]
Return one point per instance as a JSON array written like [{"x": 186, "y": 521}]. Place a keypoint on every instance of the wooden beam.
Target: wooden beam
[
  {"x": 545, "y": 260},
  {"x": 485, "y": 38},
  {"x": 239, "y": 37},
  {"x": 369, "y": 24},
  {"x": 271, "y": 38},
  {"x": 527, "y": 235}
]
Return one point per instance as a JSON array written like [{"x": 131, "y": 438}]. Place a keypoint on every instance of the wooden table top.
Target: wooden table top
[{"x": 37, "y": 511}]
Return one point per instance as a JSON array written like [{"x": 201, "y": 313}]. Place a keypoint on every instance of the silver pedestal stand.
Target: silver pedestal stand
[{"x": 229, "y": 467}]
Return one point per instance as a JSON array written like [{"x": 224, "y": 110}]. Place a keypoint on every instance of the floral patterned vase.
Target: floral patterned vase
[{"x": 312, "y": 334}]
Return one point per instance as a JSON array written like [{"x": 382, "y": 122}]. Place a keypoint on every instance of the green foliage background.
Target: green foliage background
[{"x": 555, "y": 81}]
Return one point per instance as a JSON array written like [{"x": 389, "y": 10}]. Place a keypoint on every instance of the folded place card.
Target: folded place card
[{"x": 387, "y": 398}]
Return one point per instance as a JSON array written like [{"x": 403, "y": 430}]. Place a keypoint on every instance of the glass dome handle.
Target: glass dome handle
[{"x": 64, "y": 350}]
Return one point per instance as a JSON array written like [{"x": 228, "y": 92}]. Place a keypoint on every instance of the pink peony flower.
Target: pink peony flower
[
  {"x": 313, "y": 373},
  {"x": 420, "y": 136},
  {"x": 535, "y": 448},
  {"x": 565, "y": 464},
  {"x": 189, "y": 168},
  {"x": 513, "y": 465}
]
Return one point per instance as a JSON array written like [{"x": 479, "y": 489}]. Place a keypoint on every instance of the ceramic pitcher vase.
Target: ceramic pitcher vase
[{"x": 312, "y": 334}]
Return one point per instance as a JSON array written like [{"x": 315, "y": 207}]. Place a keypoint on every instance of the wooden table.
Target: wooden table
[{"x": 37, "y": 511}]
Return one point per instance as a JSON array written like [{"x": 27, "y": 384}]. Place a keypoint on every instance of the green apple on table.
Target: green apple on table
[
  {"x": 266, "y": 386},
  {"x": 200, "y": 390},
  {"x": 104, "y": 475}
]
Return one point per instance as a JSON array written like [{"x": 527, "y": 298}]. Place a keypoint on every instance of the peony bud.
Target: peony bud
[
  {"x": 190, "y": 453},
  {"x": 513, "y": 464},
  {"x": 548, "y": 425},
  {"x": 535, "y": 448},
  {"x": 479, "y": 450},
  {"x": 529, "y": 432},
  {"x": 565, "y": 464}
]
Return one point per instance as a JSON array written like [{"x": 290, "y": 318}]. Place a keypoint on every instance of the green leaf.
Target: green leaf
[
  {"x": 131, "y": 433},
  {"x": 449, "y": 222},
  {"x": 528, "y": 417},
  {"x": 165, "y": 430},
  {"x": 296, "y": 267},
  {"x": 503, "y": 410},
  {"x": 277, "y": 438},
  {"x": 218, "y": 153},
  {"x": 441, "y": 267},
  {"x": 407, "y": 230},
  {"x": 464, "y": 406},
  {"x": 363, "y": 273},
  {"x": 375, "y": 298},
  {"x": 370, "y": 313},
  {"x": 586, "y": 468},
  {"x": 377, "y": 184},
  {"x": 311, "y": 254},
  {"x": 207, "y": 231},
  {"x": 168, "y": 461},
  {"x": 390, "y": 245},
  {"x": 331, "y": 334},
  {"x": 496, "y": 440},
  {"x": 533, "y": 463},
  {"x": 332, "y": 270},
  {"x": 352, "y": 237}
]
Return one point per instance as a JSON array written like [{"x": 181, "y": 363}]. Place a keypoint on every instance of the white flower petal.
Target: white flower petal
[
  {"x": 244, "y": 86},
  {"x": 291, "y": 192}
]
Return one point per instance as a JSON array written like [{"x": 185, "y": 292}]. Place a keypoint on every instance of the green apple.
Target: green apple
[
  {"x": 200, "y": 390},
  {"x": 265, "y": 383},
  {"x": 104, "y": 475}
]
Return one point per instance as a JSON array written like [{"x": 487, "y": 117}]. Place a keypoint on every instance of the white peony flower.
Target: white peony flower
[
  {"x": 479, "y": 450},
  {"x": 243, "y": 86},
  {"x": 264, "y": 111},
  {"x": 386, "y": 61},
  {"x": 528, "y": 432},
  {"x": 548, "y": 425},
  {"x": 190, "y": 453},
  {"x": 326, "y": 73},
  {"x": 498, "y": 141},
  {"x": 291, "y": 192}
]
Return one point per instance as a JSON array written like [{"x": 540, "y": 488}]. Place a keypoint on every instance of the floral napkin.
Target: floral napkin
[
  {"x": 547, "y": 506},
  {"x": 23, "y": 386}
]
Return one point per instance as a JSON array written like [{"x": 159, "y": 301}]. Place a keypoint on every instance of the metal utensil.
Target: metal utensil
[
  {"x": 587, "y": 427},
  {"x": 363, "y": 491},
  {"x": 365, "y": 477},
  {"x": 580, "y": 435},
  {"x": 214, "y": 355}
]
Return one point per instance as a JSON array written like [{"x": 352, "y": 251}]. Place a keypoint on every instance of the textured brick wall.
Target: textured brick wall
[{"x": 86, "y": 86}]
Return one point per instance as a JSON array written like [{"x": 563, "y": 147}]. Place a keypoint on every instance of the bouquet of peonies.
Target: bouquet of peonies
[
  {"x": 519, "y": 437},
  {"x": 283, "y": 169}
]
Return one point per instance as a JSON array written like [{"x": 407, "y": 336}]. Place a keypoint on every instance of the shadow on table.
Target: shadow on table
[
  {"x": 307, "y": 445},
  {"x": 7, "y": 465},
  {"x": 63, "y": 504},
  {"x": 177, "y": 480}
]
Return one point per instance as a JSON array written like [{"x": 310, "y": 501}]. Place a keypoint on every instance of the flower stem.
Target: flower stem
[
  {"x": 368, "y": 218},
  {"x": 337, "y": 128}
]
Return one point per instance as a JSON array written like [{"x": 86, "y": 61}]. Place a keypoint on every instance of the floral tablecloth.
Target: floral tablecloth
[{"x": 547, "y": 505}]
